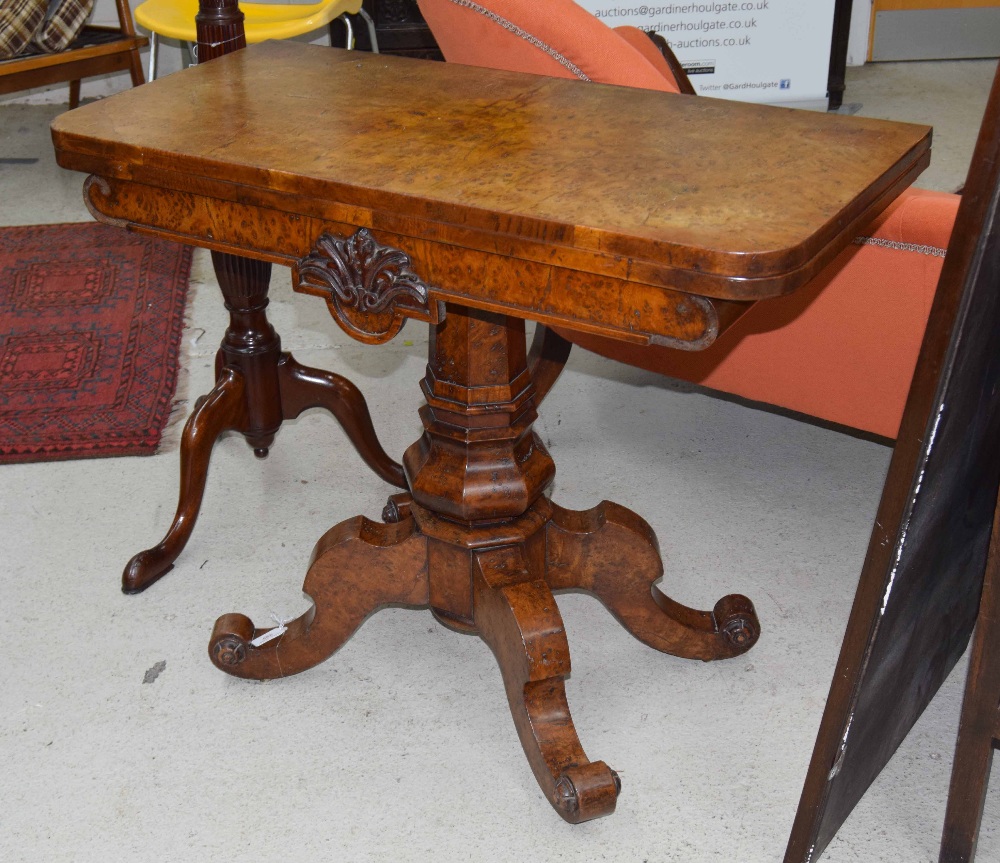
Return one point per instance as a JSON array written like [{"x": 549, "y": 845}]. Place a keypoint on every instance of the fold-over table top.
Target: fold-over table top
[{"x": 726, "y": 199}]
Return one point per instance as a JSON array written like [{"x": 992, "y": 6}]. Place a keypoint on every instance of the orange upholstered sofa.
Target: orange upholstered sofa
[{"x": 843, "y": 349}]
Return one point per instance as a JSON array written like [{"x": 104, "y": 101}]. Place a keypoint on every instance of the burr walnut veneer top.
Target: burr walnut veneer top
[{"x": 725, "y": 199}]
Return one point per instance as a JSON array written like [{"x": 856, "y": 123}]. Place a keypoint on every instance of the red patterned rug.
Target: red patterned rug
[{"x": 90, "y": 326}]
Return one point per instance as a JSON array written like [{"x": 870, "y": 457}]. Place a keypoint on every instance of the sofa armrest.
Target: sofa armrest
[{"x": 918, "y": 218}]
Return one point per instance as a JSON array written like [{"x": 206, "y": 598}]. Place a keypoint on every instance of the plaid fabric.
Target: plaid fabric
[
  {"x": 65, "y": 20},
  {"x": 19, "y": 21}
]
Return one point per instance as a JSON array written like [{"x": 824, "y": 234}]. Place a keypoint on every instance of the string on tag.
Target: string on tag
[{"x": 280, "y": 628}]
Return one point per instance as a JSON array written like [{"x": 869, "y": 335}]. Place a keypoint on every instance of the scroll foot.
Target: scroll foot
[
  {"x": 303, "y": 388},
  {"x": 517, "y": 616},
  {"x": 223, "y": 409},
  {"x": 612, "y": 553},
  {"x": 358, "y": 567}
]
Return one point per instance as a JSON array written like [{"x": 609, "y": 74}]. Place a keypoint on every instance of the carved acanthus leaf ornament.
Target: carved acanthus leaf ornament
[{"x": 370, "y": 289}]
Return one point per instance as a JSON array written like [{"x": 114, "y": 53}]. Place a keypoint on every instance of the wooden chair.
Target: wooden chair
[
  {"x": 844, "y": 348},
  {"x": 97, "y": 51}
]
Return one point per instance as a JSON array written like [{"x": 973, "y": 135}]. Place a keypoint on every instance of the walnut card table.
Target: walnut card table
[{"x": 473, "y": 200}]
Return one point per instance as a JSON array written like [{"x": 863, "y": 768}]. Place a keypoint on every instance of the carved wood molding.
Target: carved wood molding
[
  {"x": 369, "y": 288},
  {"x": 104, "y": 190}
]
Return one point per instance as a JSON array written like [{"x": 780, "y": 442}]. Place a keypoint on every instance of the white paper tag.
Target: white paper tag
[{"x": 270, "y": 635}]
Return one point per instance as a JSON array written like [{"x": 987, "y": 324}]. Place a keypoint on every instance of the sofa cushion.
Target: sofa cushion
[
  {"x": 62, "y": 25},
  {"x": 19, "y": 21},
  {"x": 556, "y": 38}
]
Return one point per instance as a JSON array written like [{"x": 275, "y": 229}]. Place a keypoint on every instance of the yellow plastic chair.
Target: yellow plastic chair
[{"x": 174, "y": 19}]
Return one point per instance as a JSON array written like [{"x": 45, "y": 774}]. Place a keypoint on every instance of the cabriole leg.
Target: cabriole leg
[
  {"x": 258, "y": 388},
  {"x": 223, "y": 409}
]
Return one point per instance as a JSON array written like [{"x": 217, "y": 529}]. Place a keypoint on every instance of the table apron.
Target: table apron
[{"x": 555, "y": 295}]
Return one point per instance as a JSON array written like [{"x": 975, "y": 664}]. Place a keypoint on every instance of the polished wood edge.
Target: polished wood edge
[
  {"x": 743, "y": 276},
  {"x": 88, "y": 157},
  {"x": 758, "y": 287}
]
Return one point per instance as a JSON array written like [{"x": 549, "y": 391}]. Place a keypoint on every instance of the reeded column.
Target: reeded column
[
  {"x": 251, "y": 343},
  {"x": 220, "y": 29}
]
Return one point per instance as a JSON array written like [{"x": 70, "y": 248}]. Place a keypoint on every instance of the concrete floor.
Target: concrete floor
[{"x": 401, "y": 745}]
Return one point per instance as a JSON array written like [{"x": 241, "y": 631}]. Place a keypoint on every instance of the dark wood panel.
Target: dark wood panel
[{"x": 919, "y": 590}]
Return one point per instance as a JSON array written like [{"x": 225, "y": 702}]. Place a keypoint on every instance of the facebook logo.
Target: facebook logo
[{"x": 786, "y": 84}]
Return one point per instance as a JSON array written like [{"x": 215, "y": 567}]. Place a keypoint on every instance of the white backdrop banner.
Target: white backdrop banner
[{"x": 751, "y": 50}]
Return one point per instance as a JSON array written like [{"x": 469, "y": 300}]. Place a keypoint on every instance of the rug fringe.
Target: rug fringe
[{"x": 170, "y": 438}]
